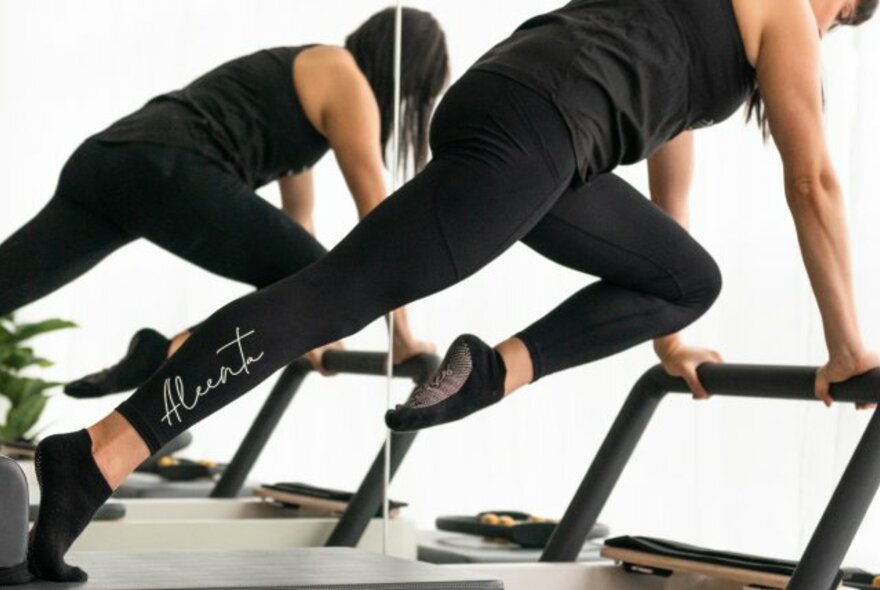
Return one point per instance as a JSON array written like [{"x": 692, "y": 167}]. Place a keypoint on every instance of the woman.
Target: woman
[
  {"x": 566, "y": 98},
  {"x": 181, "y": 172}
]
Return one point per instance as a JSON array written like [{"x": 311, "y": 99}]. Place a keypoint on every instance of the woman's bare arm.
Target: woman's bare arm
[
  {"x": 298, "y": 198},
  {"x": 670, "y": 173},
  {"x": 348, "y": 116},
  {"x": 789, "y": 78}
]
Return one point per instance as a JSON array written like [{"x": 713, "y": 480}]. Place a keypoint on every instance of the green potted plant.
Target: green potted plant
[{"x": 26, "y": 394}]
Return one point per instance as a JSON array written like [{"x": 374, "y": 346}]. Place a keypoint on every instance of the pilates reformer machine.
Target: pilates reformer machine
[
  {"x": 818, "y": 569},
  {"x": 177, "y": 516},
  {"x": 819, "y": 566}
]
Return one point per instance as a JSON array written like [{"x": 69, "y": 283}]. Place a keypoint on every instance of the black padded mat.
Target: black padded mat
[
  {"x": 673, "y": 549},
  {"x": 333, "y": 568}
]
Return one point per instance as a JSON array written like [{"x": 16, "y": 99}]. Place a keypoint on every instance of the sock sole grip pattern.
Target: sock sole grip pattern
[{"x": 448, "y": 380}]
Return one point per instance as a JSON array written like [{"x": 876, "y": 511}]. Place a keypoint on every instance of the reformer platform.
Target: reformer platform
[
  {"x": 293, "y": 569},
  {"x": 819, "y": 566}
]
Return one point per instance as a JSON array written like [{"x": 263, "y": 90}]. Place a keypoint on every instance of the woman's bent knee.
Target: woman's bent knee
[{"x": 703, "y": 284}]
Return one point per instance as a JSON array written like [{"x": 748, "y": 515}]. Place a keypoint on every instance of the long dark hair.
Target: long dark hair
[
  {"x": 863, "y": 12},
  {"x": 424, "y": 72}
]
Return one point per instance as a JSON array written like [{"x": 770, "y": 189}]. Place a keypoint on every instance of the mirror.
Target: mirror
[{"x": 91, "y": 64}]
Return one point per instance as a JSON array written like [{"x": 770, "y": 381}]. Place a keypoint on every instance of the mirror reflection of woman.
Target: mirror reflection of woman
[
  {"x": 524, "y": 146},
  {"x": 181, "y": 172}
]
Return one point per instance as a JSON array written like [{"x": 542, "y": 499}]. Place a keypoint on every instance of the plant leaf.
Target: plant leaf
[
  {"x": 23, "y": 416},
  {"x": 18, "y": 388},
  {"x": 6, "y": 335},
  {"x": 27, "y": 331},
  {"x": 24, "y": 357},
  {"x": 6, "y": 350},
  {"x": 26, "y": 394}
]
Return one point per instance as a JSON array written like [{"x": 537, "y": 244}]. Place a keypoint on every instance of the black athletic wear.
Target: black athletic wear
[
  {"x": 470, "y": 378},
  {"x": 179, "y": 172},
  {"x": 244, "y": 115},
  {"x": 147, "y": 350},
  {"x": 628, "y": 75},
  {"x": 502, "y": 171},
  {"x": 111, "y": 194},
  {"x": 72, "y": 488}
]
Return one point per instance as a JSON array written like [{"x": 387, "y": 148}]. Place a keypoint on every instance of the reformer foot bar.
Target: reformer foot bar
[
  {"x": 819, "y": 565},
  {"x": 367, "y": 501}
]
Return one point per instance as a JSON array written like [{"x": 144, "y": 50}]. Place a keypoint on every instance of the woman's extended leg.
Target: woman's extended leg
[
  {"x": 63, "y": 241},
  {"x": 493, "y": 178},
  {"x": 191, "y": 207},
  {"x": 109, "y": 195},
  {"x": 655, "y": 279},
  {"x": 502, "y": 158}
]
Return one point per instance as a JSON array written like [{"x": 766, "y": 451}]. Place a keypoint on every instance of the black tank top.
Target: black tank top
[
  {"x": 628, "y": 75},
  {"x": 245, "y": 115}
]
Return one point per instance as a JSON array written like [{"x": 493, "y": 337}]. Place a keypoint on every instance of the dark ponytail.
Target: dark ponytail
[{"x": 424, "y": 73}]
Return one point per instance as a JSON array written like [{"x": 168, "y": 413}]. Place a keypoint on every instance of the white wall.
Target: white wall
[{"x": 737, "y": 474}]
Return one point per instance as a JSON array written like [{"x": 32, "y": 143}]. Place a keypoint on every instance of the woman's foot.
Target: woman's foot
[
  {"x": 72, "y": 489},
  {"x": 146, "y": 353},
  {"x": 470, "y": 378}
]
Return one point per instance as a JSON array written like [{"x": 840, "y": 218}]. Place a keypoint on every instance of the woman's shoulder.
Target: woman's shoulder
[
  {"x": 325, "y": 56},
  {"x": 326, "y": 70},
  {"x": 324, "y": 75},
  {"x": 751, "y": 17}
]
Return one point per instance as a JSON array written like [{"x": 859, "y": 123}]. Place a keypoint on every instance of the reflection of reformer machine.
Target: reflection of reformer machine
[
  {"x": 177, "y": 516},
  {"x": 818, "y": 568}
]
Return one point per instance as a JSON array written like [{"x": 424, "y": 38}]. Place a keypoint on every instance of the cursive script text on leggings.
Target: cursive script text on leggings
[{"x": 174, "y": 392}]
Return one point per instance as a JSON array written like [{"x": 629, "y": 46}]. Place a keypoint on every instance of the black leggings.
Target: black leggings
[
  {"x": 502, "y": 171},
  {"x": 111, "y": 194}
]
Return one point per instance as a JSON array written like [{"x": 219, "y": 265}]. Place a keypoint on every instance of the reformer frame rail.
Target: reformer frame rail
[
  {"x": 367, "y": 501},
  {"x": 819, "y": 566}
]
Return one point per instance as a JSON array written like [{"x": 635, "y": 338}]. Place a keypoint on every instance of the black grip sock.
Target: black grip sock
[
  {"x": 72, "y": 489},
  {"x": 147, "y": 351},
  {"x": 470, "y": 378}
]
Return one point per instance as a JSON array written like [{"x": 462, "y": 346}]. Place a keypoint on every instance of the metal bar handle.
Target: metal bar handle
[{"x": 769, "y": 381}]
